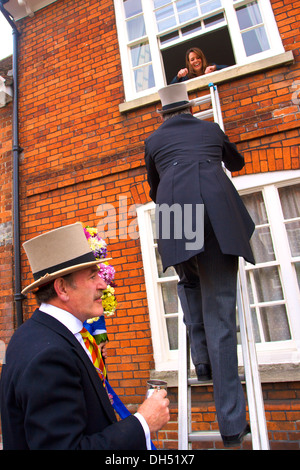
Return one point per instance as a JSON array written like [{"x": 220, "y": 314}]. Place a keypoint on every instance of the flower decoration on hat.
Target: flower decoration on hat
[
  {"x": 96, "y": 326},
  {"x": 97, "y": 244}
]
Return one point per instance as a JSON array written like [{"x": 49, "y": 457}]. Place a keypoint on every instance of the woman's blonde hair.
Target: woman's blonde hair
[{"x": 200, "y": 54}]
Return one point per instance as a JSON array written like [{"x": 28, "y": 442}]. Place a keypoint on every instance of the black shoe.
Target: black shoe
[
  {"x": 237, "y": 439},
  {"x": 203, "y": 372}
]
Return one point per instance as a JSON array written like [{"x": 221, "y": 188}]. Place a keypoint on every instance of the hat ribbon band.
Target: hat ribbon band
[
  {"x": 86, "y": 258},
  {"x": 173, "y": 105}
]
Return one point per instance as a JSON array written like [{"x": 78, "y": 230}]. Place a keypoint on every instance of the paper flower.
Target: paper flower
[
  {"x": 106, "y": 271},
  {"x": 97, "y": 244},
  {"x": 109, "y": 301}
]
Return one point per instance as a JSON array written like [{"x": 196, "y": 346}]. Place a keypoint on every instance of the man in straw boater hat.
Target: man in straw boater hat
[
  {"x": 52, "y": 394},
  {"x": 208, "y": 229}
]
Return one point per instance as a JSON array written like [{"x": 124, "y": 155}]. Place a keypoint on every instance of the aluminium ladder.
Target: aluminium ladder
[{"x": 259, "y": 433}]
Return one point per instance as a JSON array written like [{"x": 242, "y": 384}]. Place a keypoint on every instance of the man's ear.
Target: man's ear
[{"x": 61, "y": 290}]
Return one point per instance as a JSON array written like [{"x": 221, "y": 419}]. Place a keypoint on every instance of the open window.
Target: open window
[
  {"x": 183, "y": 24},
  {"x": 154, "y": 36},
  {"x": 174, "y": 57}
]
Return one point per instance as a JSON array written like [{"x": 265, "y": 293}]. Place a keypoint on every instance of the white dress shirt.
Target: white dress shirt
[{"x": 75, "y": 326}]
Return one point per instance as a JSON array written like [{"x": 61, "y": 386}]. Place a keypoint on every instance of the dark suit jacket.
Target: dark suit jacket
[
  {"x": 52, "y": 396},
  {"x": 184, "y": 164}
]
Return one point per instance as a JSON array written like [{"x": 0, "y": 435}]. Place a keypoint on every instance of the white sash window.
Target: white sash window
[
  {"x": 155, "y": 34},
  {"x": 273, "y": 201}
]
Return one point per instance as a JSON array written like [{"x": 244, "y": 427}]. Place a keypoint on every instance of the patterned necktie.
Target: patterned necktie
[{"x": 92, "y": 347}]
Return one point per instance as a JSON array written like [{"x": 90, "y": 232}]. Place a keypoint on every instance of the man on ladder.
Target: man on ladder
[{"x": 184, "y": 164}]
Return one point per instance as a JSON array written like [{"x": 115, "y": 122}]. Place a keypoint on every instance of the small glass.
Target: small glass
[{"x": 153, "y": 385}]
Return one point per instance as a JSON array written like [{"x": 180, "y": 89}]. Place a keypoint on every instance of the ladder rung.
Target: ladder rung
[
  {"x": 195, "y": 381},
  {"x": 202, "y": 99},
  {"x": 204, "y": 114},
  {"x": 197, "y": 436}
]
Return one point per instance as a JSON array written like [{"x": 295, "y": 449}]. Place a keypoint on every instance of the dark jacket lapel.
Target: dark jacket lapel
[{"x": 63, "y": 331}]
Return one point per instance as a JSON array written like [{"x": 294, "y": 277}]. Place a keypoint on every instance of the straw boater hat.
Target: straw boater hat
[
  {"x": 57, "y": 253},
  {"x": 174, "y": 98}
]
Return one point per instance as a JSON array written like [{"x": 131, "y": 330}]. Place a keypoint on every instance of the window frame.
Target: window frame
[
  {"x": 152, "y": 35},
  {"x": 270, "y": 354},
  {"x": 164, "y": 358}
]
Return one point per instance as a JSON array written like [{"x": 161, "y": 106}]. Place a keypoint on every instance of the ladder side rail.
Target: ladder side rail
[
  {"x": 248, "y": 345},
  {"x": 216, "y": 106},
  {"x": 189, "y": 411},
  {"x": 260, "y": 410},
  {"x": 248, "y": 375},
  {"x": 183, "y": 419}
]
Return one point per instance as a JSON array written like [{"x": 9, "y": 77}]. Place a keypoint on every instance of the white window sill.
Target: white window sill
[
  {"x": 6, "y": 93},
  {"x": 224, "y": 75},
  {"x": 269, "y": 373},
  {"x": 277, "y": 362}
]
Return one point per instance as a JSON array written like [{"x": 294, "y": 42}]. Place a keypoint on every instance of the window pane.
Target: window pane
[
  {"x": 165, "y": 18},
  {"x": 170, "y": 298},
  {"x": 140, "y": 54},
  {"x": 290, "y": 201},
  {"x": 187, "y": 10},
  {"x": 136, "y": 28},
  {"x": 275, "y": 323},
  {"x": 169, "y": 37},
  {"x": 255, "y": 41},
  {"x": 170, "y": 272},
  {"x": 214, "y": 20},
  {"x": 132, "y": 7},
  {"x": 268, "y": 284},
  {"x": 257, "y": 337},
  {"x": 256, "y": 207},
  {"x": 297, "y": 267},
  {"x": 144, "y": 78},
  {"x": 262, "y": 245},
  {"x": 270, "y": 322},
  {"x": 187, "y": 15},
  {"x": 161, "y": 3},
  {"x": 152, "y": 218},
  {"x": 172, "y": 328},
  {"x": 249, "y": 286},
  {"x": 209, "y": 5},
  {"x": 192, "y": 28},
  {"x": 183, "y": 5},
  {"x": 293, "y": 232},
  {"x": 248, "y": 16}
]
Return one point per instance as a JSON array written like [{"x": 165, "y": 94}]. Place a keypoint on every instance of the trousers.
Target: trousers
[{"x": 207, "y": 291}]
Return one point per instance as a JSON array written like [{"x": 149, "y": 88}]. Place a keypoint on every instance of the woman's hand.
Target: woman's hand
[
  {"x": 182, "y": 73},
  {"x": 210, "y": 69}
]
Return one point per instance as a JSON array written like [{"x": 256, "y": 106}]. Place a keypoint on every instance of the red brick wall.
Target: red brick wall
[
  {"x": 7, "y": 322},
  {"x": 282, "y": 407},
  {"x": 80, "y": 152}
]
